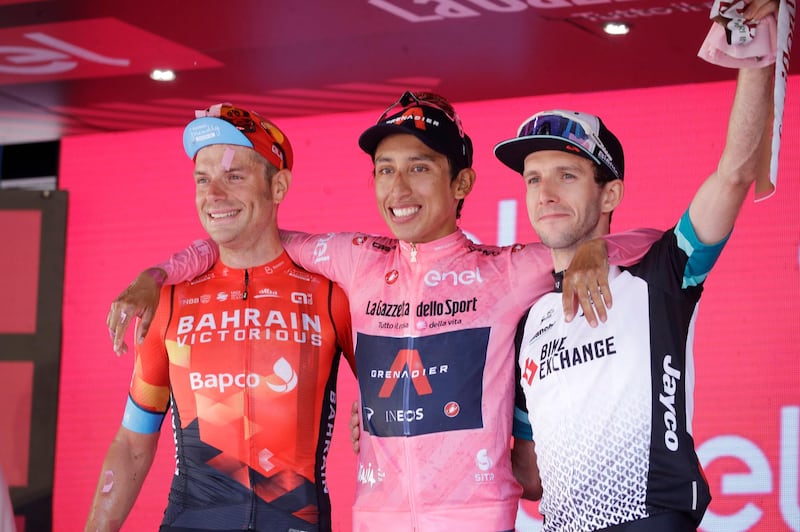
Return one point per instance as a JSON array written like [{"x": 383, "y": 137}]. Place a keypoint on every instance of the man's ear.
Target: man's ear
[
  {"x": 463, "y": 183},
  {"x": 280, "y": 184},
  {"x": 612, "y": 195}
]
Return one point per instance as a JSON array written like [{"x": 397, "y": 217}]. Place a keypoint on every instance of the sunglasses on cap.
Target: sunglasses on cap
[
  {"x": 573, "y": 128},
  {"x": 267, "y": 139},
  {"x": 409, "y": 99}
]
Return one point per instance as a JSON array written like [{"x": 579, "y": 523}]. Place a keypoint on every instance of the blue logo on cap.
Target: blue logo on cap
[{"x": 209, "y": 130}]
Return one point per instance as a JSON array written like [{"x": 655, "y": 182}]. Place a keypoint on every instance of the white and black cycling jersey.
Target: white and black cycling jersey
[{"x": 611, "y": 407}]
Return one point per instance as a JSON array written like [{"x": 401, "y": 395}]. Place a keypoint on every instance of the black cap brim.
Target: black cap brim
[
  {"x": 369, "y": 139},
  {"x": 513, "y": 152}
]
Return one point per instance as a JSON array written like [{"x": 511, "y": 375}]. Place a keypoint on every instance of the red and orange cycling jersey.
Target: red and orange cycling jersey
[{"x": 248, "y": 361}]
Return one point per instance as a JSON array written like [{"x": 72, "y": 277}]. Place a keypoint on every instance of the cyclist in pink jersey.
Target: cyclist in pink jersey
[{"x": 434, "y": 317}]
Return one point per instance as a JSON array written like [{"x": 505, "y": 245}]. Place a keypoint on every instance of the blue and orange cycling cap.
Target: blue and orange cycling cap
[
  {"x": 226, "y": 124},
  {"x": 568, "y": 131}
]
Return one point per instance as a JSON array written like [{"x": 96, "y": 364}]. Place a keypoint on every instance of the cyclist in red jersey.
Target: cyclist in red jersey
[{"x": 246, "y": 355}]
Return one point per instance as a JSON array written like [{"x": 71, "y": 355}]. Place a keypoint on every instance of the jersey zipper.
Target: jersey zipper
[
  {"x": 411, "y": 465},
  {"x": 247, "y": 414}
]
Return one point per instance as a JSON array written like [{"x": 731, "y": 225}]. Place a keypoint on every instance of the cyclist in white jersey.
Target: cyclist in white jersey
[{"x": 617, "y": 453}]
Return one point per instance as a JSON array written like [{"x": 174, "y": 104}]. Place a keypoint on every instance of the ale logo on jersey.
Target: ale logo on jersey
[{"x": 412, "y": 386}]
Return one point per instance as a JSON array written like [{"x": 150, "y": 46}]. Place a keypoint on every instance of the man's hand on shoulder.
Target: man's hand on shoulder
[
  {"x": 139, "y": 299},
  {"x": 586, "y": 282}
]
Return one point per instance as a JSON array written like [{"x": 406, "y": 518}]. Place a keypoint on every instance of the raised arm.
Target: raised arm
[{"x": 716, "y": 205}]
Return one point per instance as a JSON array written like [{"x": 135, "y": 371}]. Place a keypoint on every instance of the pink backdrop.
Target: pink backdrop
[
  {"x": 131, "y": 204},
  {"x": 20, "y": 281}
]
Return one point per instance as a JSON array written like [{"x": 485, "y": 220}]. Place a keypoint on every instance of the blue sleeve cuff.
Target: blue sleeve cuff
[
  {"x": 522, "y": 428},
  {"x": 139, "y": 420},
  {"x": 702, "y": 257}
]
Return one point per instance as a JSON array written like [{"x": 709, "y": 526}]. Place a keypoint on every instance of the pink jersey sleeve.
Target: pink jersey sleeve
[
  {"x": 190, "y": 262},
  {"x": 333, "y": 255},
  {"x": 530, "y": 273},
  {"x": 628, "y": 248}
]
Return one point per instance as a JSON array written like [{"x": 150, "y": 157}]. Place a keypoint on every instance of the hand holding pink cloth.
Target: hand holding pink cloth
[
  {"x": 759, "y": 51},
  {"x": 736, "y": 42}
]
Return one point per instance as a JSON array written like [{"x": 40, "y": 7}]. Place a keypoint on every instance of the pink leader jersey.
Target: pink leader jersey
[{"x": 433, "y": 326}]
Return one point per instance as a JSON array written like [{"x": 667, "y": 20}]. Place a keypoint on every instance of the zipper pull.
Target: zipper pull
[
  {"x": 413, "y": 252},
  {"x": 246, "y": 282}
]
